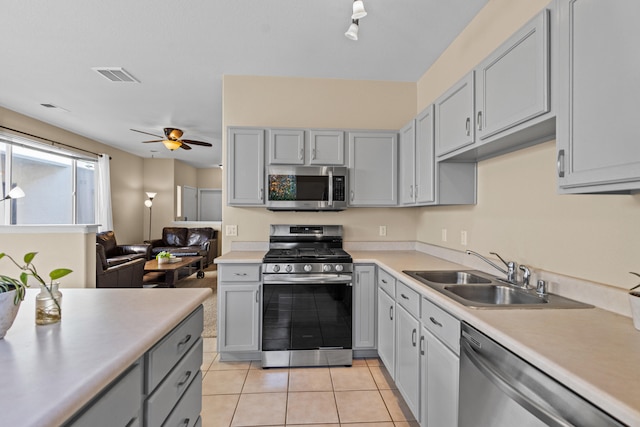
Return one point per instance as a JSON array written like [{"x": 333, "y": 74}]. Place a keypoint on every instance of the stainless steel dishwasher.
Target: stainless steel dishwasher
[{"x": 498, "y": 388}]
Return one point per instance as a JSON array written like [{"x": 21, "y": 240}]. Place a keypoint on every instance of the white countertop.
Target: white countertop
[
  {"x": 594, "y": 352},
  {"x": 49, "y": 372}
]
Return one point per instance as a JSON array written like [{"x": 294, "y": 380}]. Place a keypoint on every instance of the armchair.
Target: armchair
[
  {"x": 118, "y": 254},
  {"x": 127, "y": 274}
]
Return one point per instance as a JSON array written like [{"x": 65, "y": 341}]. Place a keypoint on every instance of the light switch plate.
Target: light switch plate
[{"x": 231, "y": 230}]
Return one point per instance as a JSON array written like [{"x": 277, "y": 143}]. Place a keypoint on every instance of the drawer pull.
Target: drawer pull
[
  {"x": 132, "y": 421},
  {"x": 404, "y": 296},
  {"x": 391, "y": 312},
  {"x": 239, "y": 274},
  {"x": 383, "y": 281},
  {"x": 413, "y": 337},
  {"x": 187, "y": 375},
  {"x": 184, "y": 340},
  {"x": 435, "y": 322},
  {"x": 186, "y": 422}
]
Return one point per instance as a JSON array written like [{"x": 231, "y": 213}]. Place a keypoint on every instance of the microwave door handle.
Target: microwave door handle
[{"x": 330, "y": 188}]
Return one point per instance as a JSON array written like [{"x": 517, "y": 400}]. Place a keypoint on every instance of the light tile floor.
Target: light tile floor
[{"x": 242, "y": 394}]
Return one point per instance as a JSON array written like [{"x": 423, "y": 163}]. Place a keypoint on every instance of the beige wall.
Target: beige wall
[
  {"x": 519, "y": 213},
  {"x": 318, "y": 103},
  {"x": 159, "y": 177},
  {"x": 209, "y": 178},
  {"x": 126, "y": 172}
]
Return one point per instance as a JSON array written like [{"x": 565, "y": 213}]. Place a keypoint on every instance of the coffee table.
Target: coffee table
[{"x": 171, "y": 269}]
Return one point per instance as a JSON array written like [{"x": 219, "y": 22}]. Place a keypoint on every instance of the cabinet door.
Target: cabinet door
[
  {"x": 439, "y": 383},
  {"x": 373, "y": 163},
  {"x": 286, "y": 147},
  {"x": 364, "y": 307},
  {"x": 598, "y": 139},
  {"x": 425, "y": 160},
  {"x": 407, "y": 167},
  {"x": 512, "y": 84},
  {"x": 454, "y": 117},
  {"x": 327, "y": 147},
  {"x": 239, "y": 317},
  {"x": 245, "y": 166},
  {"x": 386, "y": 331},
  {"x": 408, "y": 359}
]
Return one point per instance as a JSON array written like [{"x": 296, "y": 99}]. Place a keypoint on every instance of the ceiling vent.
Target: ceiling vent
[
  {"x": 115, "y": 74},
  {"x": 54, "y": 107}
]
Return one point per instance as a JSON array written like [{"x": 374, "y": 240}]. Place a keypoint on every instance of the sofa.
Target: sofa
[
  {"x": 183, "y": 241},
  {"x": 119, "y": 266}
]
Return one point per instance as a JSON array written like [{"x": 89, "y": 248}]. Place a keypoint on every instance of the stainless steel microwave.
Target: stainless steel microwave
[{"x": 307, "y": 188}]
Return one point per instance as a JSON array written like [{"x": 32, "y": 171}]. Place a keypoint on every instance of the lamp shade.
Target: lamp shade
[
  {"x": 171, "y": 145},
  {"x": 358, "y": 10},
  {"x": 15, "y": 193},
  {"x": 352, "y": 32},
  {"x": 151, "y": 195}
]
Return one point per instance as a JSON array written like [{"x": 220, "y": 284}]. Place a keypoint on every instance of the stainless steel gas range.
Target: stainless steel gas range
[{"x": 307, "y": 297}]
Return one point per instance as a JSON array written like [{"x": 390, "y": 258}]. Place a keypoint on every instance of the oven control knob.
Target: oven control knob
[
  {"x": 326, "y": 267},
  {"x": 288, "y": 268},
  {"x": 339, "y": 267},
  {"x": 276, "y": 268},
  {"x": 308, "y": 268}
]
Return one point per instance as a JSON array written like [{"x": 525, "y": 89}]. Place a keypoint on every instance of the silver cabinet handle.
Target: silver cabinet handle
[
  {"x": 257, "y": 296},
  {"x": 467, "y": 125},
  {"x": 435, "y": 322},
  {"x": 404, "y": 296},
  {"x": 239, "y": 274},
  {"x": 413, "y": 336},
  {"x": 261, "y": 194},
  {"x": 184, "y": 341},
  {"x": 313, "y": 154},
  {"x": 411, "y": 192},
  {"x": 301, "y": 155},
  {"x": 560, "y": 165},
  {"x": 187, "y": 375},
  {"x": 416, "y": 193},
  {"x": 383, "y": 281},
  {"x": 479, "y": 120},
  {"x": 352, "y": 195},
  {"x": 422, "y": 345},
  {"x": 390, "y": 312}
]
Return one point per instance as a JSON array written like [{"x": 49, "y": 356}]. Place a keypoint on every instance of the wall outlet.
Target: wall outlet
[
  {"x": 231, "y": 230},
  {"x": 444, "y": 234},
  {"x": 463, "y": 237},
  {"x": 383, "y": 230}
]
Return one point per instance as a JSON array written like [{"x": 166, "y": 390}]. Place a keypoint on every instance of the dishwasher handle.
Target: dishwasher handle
[{"x": 504, "y": 383}]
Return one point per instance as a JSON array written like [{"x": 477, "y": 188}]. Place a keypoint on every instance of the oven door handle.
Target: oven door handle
[
  {"x": 330, "y": 203},
  {"x": 504, "y": 383},
  {"x": 319, "y": 279}
]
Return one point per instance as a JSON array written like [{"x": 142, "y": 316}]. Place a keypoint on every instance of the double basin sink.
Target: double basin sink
[{"x": 479, "y": 290}]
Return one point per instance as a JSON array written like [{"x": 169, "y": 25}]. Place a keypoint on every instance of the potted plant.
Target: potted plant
[
  {"x": 164, "y": 257},
  {"x": 49, "y": 300},
  {"x": 634, "y": 300},
  {"x": 12, "y": 293}
]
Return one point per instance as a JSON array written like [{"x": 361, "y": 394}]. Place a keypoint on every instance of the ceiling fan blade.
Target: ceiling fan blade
[
  {"x": 185, "y": 146},
  {"x": 190, "y": 141},
  {"x": 147, "y": 133},
  {"x": 155, "y": 140}
]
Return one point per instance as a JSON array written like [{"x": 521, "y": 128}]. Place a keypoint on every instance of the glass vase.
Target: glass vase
[{"x": 48, "y": 305}]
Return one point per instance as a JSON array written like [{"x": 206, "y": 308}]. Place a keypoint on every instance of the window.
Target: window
[{"x": 59, "y": 187}]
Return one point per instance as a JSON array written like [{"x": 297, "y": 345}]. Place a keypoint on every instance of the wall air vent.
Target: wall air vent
[{"x": 115, "y": 74}]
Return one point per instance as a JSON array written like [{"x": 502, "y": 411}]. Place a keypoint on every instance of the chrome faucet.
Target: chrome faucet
[
  {"x": 526, "y": 276},
  {"x": 510, "y": 272}
]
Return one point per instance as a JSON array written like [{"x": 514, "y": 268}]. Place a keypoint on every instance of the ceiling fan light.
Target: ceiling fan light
[
  {"x": 358, "y": 10},
  {"x": 352, "y": 32},
  {"x": 175, "y": 134},
  {"x": 171, "y": 145}
]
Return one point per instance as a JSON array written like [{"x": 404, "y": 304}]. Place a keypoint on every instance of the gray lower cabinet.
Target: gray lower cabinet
[
  {"x": 408, "y": 358},
  {"x": 164, "y": 387},
  {"x": 239, "y": 307},
  {"x": 373, "y": 165},
  {"x": 245, "y": 167},
  {"x": 364, "y": 307},
  {"x": 598, "y": 144},
  {"x": 386, "y": 330}
]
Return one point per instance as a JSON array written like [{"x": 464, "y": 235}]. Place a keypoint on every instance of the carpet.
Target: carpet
[{"x": 210, "y": 280}]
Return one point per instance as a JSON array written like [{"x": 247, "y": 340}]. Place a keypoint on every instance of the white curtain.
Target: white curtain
[{"x": 103, "y": 194}]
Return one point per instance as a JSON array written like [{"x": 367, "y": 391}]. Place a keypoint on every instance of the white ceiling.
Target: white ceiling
[{"x": 180, "y": 49}]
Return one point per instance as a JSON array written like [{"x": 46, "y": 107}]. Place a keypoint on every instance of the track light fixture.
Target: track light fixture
[{"x": 358, "y": 12}]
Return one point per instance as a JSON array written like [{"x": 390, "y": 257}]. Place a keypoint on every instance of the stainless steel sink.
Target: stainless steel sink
[
  {"x": 476, "y": 289},
  {"x": 495, "y": 294}
]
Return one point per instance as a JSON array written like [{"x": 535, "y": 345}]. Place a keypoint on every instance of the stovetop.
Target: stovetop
[{"x": 307, "y": 254}]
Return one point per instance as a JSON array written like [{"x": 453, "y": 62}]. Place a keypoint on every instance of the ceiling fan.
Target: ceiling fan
[{"x": 172, "y": 140}]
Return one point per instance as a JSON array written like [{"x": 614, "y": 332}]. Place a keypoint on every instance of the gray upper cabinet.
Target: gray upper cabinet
[
  {"x": 245, "y": 167},
  {"x": 598, "y": 141},
  {"x": 512, "y": 84},
  {"x": 454, "y": 117},
  {"x": 286, "y": 147},
  {"x": 425, "y": 159},
  {"x": 407, "y": 168},
  {"x": 326, "y": 147},
  {"x": 373, "y": 165}
]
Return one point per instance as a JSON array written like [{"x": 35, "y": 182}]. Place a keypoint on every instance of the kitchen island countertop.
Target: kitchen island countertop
[
  {"x": 49, "y": 372},
  {"x": 592, "y": 351}
]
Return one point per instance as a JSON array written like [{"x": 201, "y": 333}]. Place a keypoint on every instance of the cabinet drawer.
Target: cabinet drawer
[
  {"x": 387, "y": 282},
  {"x": 187, "y": 411},
  {"x": 240, "y": 273},
  {"x": 441, "y": 324},
  {"x": 118, "y": 406},
  {"x": 409, "y": 299},
  {"x": 163, "y": 400},
  {"x": 164, "y": 355}
]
